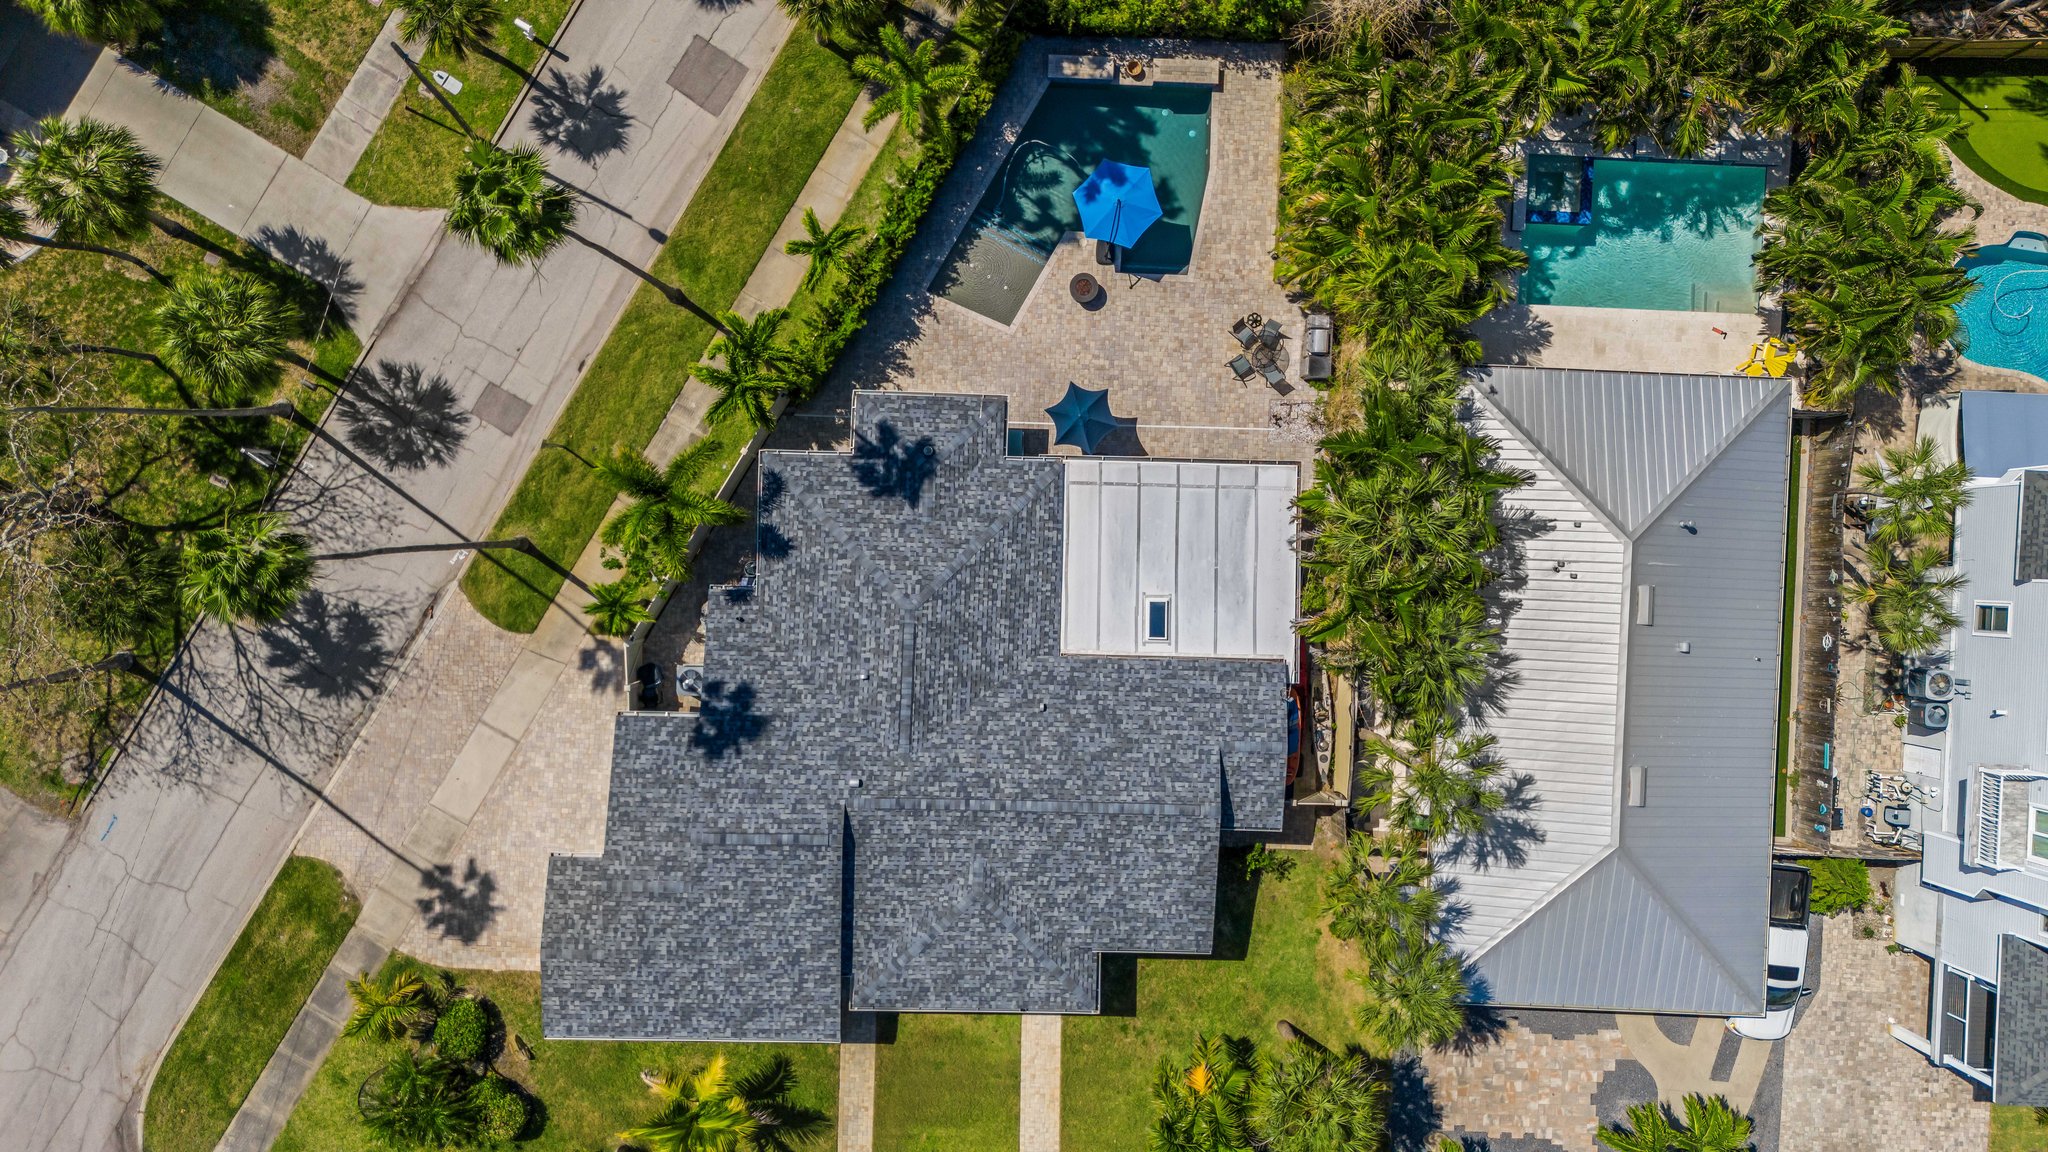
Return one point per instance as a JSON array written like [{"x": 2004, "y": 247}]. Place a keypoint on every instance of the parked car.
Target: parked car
[{"x": 1785, "y": 957}]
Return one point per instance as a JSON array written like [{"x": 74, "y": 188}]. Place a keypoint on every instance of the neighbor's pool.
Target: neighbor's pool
[
  {"x": 1642, "y": 234},
  {"x": 2005, "y": 319},
  {"x": 1030, "y": 203}
]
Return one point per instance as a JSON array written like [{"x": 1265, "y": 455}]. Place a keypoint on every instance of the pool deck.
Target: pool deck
[{"x": 1161, "y": 346}]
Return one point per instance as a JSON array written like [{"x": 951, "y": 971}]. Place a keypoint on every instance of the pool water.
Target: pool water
[
  {"x": 2004, "y": 321},
  {"x": 1029, "y": 205},
  {"x": 1666, "y": 235}
]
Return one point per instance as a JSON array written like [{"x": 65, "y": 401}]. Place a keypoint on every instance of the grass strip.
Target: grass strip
[
  {"x": 412, "y": 160},
  {"x": 948, "y": 1084},
  {"x": 245, "y": 1011},
  {"x": 1787, "y": 651},
  {"x": 588, "y": 1089},
  {"x": 1272, "y": 961},
  {"x": 637, "y": 375}
]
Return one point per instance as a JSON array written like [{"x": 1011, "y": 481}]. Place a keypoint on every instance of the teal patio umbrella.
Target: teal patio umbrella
[{"x": 1081, "y": 417}]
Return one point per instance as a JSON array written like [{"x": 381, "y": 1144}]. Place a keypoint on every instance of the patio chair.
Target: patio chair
[
  {"x": 1246, "y": 331},
  {"x": 1105, "y": 253},
  {"x": 1270, "y": 335},
  {"x": 1242, "y": 367},
  {"x": 1273, "y": 374}
]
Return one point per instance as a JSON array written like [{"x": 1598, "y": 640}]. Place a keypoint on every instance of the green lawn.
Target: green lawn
[
  {"x": 2015, "y": 1130},
  {"x": 2004, "y": 137},
  {"x": 245, "y": 1011},
  {"x": 647, "y": 359},
  {"x": 947, "y": 1084},
  {"x": 1273, "y": 962},
  {"x": 163, "y": 466},
  {"x": 412, "y": 160},
  {"x": 277, "y": 67},
  {"x": 590, "y": 1089}
]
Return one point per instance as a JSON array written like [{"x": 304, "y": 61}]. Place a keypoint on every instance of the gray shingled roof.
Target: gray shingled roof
[
  {"x": 1669, "y": 911},
  {"x": 2019, "y": 1067},
  {"x": 899, "y": 782}
]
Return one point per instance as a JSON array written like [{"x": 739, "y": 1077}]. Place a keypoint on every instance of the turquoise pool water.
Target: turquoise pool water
[
  {"x": 1666, "y": 235},
  {"x": 2005, "y": 319},
  {"x": 1030, "y": 203}
]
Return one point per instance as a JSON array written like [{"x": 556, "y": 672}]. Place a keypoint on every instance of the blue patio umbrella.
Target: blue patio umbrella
[
  {"x": 1081, "y": 418},
  {"x": 1117, "y": 203}
]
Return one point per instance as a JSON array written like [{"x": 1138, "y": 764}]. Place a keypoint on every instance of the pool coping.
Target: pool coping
[{"x": 1018, "y": 99}]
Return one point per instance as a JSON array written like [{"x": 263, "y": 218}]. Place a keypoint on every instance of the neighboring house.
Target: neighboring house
[
  {"x": 1977, "y": 909},
  {"x": 1639, "y": 702},
  {"x": 977, "y": 720}
]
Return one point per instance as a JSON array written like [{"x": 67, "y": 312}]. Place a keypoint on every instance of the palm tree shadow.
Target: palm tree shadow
[
  {"x": 317, "y": 259},
  {"x": 584, "y": 115},
  {"x": 1413, "y": 1114},
  {"x": 728, "y": 719},
  {"x": 332, "y": 648},
  {"x": 1509, "y": 832},
  {"x": 459, "y": 909},
  {"x": 886, "y": 465},
  {"x": 1484, "y": 1021},
  {"x": 403, "y": 418}
]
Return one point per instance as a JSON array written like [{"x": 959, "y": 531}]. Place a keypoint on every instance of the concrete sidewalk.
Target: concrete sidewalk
[
  {"x": 249, "y": 724},
  {"x": 361, "y": 108},
  {"x": 365, "y": 253}
]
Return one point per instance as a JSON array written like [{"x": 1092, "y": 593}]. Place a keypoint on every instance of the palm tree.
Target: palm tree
[
  {"x": 755, "y": 371},
  {"x": 1315, "y": 1100},
  {"x": 92, "y": 182},
  {"x": 1920, "y": 494},
  {"x": 617, "y": 606},
  {"x": 1414, "y": 997},
  {"x": 1436, "y": 782},
  {"x": 826, "y": 248},
  {"x": 457, "y": 27},
  {"x": 1711, "y": 1124},
  {"x": 412, "y": 1102},
  {"x": 827, "y": 18},
  {"x": 710, "y": 1111},
  {"x": 389, "y": 1005},
  {"x": 1204, "y": 1103},
  {"x": 224, "y": 329},
  {"x": 652, "y": 533},
  {"x": 1386, "y": 900},
  {"x": 912, "y": 82},
  {"x": 1908, "y": 598},
  {"x": 506, "y": 202},
  {"x": 112, "y": 21},
  {"x": 247, "y": 570}
]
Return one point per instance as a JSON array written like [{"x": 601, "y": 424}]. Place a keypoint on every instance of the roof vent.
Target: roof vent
[
  {"x": 1646, "y": 604},
  {"x": 1637, "y": 792},
  {"x": 1691, "y": 528}
]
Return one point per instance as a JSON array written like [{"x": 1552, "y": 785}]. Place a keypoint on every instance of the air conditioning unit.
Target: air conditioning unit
[
  {"x": 690, "y": 682},
  {"x": 1930, "y": 684},
  {"x": 1931, "y": 715}
]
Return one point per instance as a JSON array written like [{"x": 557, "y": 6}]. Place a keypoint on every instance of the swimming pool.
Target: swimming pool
[
  {"x": 1030, "y": 203},
  {"x": 2004, "y": 320},
  {"x": 1657, "y": 234}
]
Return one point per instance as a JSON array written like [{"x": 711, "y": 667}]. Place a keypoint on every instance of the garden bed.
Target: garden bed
[
  {"x": 588, "y": 1090},
  {"x": 248, "y": 1006}
]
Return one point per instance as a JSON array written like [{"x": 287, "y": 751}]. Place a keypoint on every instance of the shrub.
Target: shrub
[
  {"x": 460, "y": 1033},
  {"x": 1228, "y": 19},
  {"x": 1262, "y": 859},
  {"x": 1840, "y": 886},
  {"x": 501, "y": 1110}
]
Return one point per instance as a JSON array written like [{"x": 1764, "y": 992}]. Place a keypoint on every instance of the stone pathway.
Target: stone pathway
[
  {"x": 1849, "y": 1086},
  {"x": 1528, "y": 1083},
  {"x": 362, "y": 106},
  {"x": 856, "y": 1112},
  {"x": 1038, "y": 1085}
]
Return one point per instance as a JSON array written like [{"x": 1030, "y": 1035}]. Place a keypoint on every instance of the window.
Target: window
[
  {"x": 1158, "y": 613},
  {"x": 1994, "y": 619},
  {"x": 2037, "y": 844},
  {"x": 1969, "y": 1011}
]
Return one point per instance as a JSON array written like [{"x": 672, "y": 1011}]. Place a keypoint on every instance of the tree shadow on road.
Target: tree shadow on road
[
  {"x": 403, "y": 418},
  {"x": 584, "y": 115}
]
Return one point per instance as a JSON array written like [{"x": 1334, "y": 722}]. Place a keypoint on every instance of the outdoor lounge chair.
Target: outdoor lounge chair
[
  {"x": 1242, "y": 366},
  {"x": 1273, "y": 374},
  {"x": 1246, "y": 330}
]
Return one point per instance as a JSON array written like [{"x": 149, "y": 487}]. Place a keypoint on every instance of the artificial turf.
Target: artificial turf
[{"x": 2004, "y": 137}]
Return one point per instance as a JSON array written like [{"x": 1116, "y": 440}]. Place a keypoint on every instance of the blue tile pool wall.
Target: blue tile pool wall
[
  {"x": 1029, "y": 205},
  {"x": 1655, "y": 234},
  {"x": 2004, "y": 320},
  {"x": 1566, "y": 187}
]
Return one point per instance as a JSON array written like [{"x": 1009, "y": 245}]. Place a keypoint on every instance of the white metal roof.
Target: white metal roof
[{"x": 1214, "y": 541}]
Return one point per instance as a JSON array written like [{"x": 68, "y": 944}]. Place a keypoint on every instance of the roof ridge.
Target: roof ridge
[
  {"x": 1678, "y": 916},
  {"x": 1535, "y": 448},
  {"x": 1735, "y": 432}
]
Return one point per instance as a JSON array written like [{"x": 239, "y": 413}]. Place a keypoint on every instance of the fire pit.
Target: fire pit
[{"x": 1086, "y": 288}]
